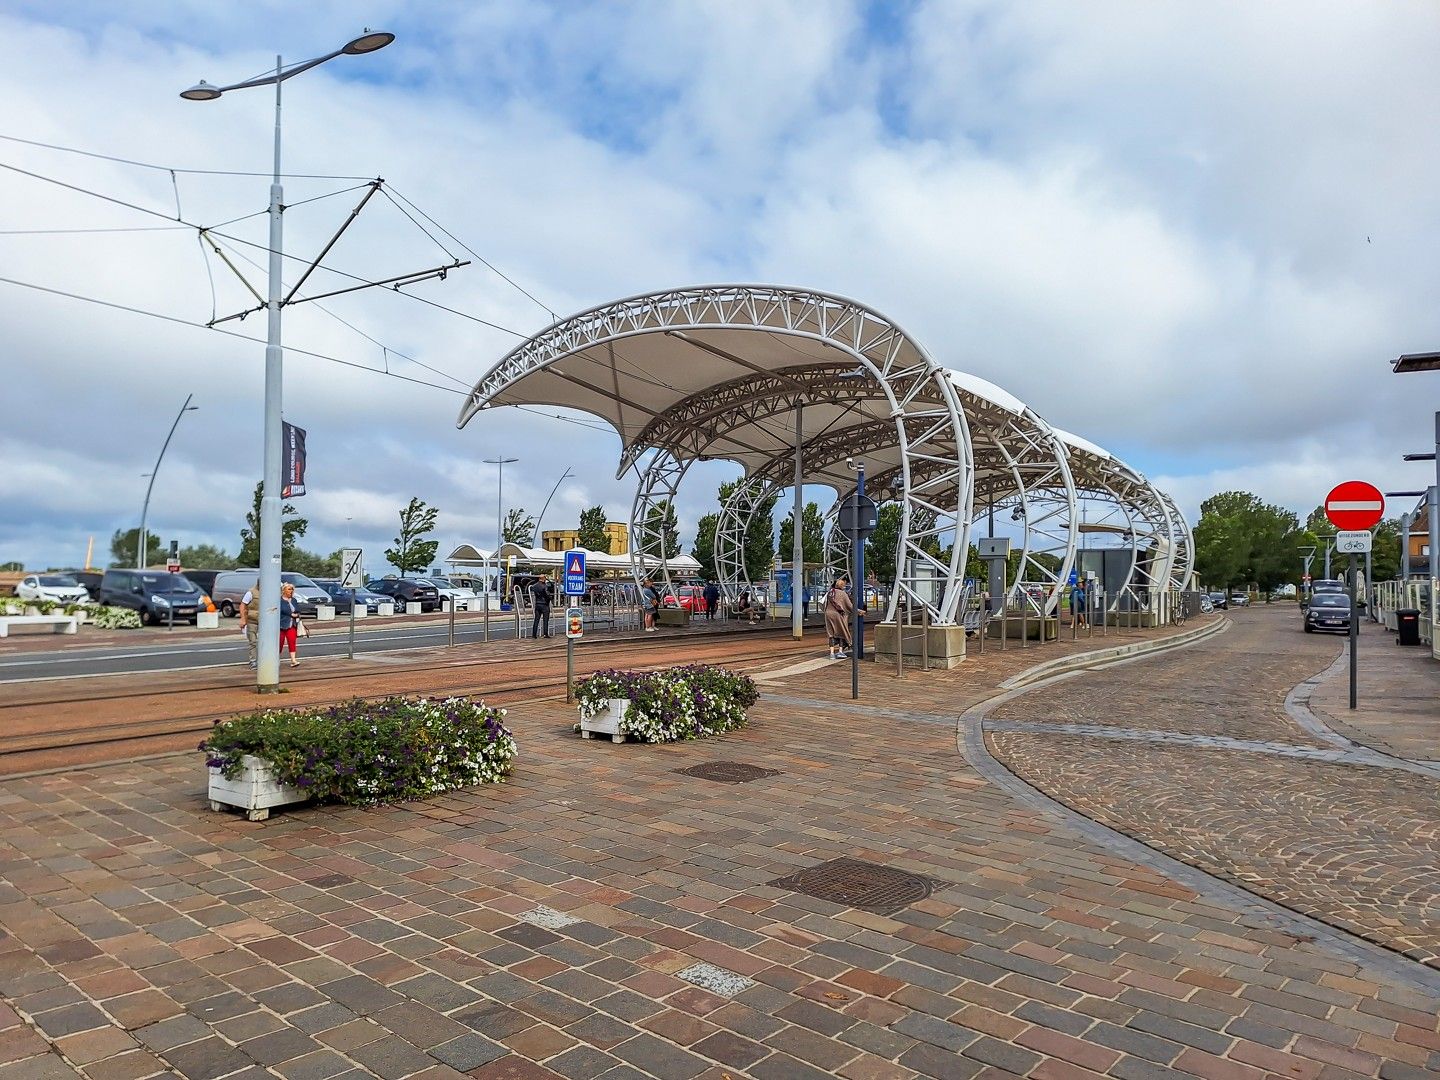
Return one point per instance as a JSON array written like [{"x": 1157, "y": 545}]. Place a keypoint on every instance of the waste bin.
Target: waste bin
[{"x": 1407, "y": 622}]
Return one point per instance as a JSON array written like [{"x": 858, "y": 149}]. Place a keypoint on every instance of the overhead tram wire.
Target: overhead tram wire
[{"x": 170, "y": 168}]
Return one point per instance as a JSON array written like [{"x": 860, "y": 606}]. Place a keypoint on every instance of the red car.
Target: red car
[{"x": 690, "y": 598}]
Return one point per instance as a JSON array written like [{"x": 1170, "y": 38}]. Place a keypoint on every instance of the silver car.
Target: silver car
[{"x": 232, "y": 585}]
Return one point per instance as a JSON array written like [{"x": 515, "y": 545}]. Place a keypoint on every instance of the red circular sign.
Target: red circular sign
[{"x": 1355, "y": 506}]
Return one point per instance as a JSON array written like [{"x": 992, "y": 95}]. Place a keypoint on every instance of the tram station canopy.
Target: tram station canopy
[{"x": 761, "y": 374}]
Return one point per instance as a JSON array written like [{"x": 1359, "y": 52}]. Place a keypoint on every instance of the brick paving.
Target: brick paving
[
  {"x": 1346, "y": 835},
  {"x": 142, "y": 935}
]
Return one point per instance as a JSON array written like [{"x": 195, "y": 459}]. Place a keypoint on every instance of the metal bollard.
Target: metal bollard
[
  {"x": 1025, "y": 623},
  {"x": 925, "y": 640},
  {"x": 1004, "y": 627},
  {"x": 487, "y": 614},
  {"x": 452, "y": 625}
]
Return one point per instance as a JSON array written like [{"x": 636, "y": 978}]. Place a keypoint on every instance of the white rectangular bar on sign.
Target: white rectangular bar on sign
[
  {"x": 1352, "y": 543},
  {"x": 1366, "y": 504}
]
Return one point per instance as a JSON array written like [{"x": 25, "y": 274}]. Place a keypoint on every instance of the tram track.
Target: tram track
[{"x": 83, "y": 742}]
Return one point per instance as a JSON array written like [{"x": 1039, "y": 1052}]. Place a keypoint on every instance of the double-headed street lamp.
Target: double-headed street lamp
[
  {"x": 501, "y": 461},
  {"x": 267, "y": 675},
  {"x": 145, "y": 510}
]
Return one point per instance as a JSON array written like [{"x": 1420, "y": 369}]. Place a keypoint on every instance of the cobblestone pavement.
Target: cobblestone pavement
[
  {"x": 1344, "y": 834},
  {"x": 553, "y": 926}
]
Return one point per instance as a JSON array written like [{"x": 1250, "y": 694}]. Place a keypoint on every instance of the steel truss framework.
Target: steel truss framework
[{"x": 721, "y": 371}]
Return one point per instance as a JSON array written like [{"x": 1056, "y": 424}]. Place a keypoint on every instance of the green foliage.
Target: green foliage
[
  {"x": 1318, "y": 524},
  {"x": 662, "y": 531},
  {"x": 412, "y": 553},
  {"x": 205, "y": 557},
  {"x": 677, "y": 703},
  {"x": 292, "y": 527},
  {"x": 519, "y": 528},
  {"x": 312, "y": 565},
  {"x": 592, "y": 533},
  {"x": 881, "y": 547},
  {"x": 704, "y": 549},
  {"x": 813, "y": 541},
  {"x": 12, "y": 567},
  {"x": 126, "y": 543},
  {"x": 1240, "y": 541},
  {"x": 363, "y": 752}
]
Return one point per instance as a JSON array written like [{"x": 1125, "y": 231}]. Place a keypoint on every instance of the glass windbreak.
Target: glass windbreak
[{"x": 58, "y": 581}]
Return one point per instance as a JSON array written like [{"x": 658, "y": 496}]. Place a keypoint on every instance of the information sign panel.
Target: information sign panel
[
  {"x": 575, "y": 572},
  {"x": 352, "y": 574},
  {"x": 574, "y": 623},
  {"x": 1353, "y": 543},
  {"x": 1354, "y": 505}
]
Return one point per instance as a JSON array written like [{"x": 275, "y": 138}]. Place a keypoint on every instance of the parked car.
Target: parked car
[
  {"x": 462, "y": 597},
  {"x": 1328, "y": 585},
  {"x": 344, "y": 598},
  {"x": 408, "y": 591},
  {"x": 1218, "y": 599},
  {"x": 61, "y": 588},
  {"x": 1239, "y": 599},
  {"x": 231, "y": 586},
  {"x": 204, "y": 579},
  {"x": 691, "y": 598},
  {"x": 1328, "y": 611},
  {"x": 308, "y": 595},
  {"x": 156, "y": 595},
  {"x": 89, "y": 580}
]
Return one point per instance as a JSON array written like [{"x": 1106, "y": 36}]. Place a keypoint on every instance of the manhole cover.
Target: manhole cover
[
  {"x": 728, "y": 772},
  {"x": 858, "y": 884}
]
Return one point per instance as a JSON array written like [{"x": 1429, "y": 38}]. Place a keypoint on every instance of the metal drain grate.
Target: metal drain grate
[
  {"x": 858, "y": 884},
  {"x": 728, "y": 772}
]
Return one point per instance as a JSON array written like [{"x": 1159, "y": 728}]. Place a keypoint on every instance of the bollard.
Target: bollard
[
  {"x": 350, "y": 652},
  {"x": 170, "y": 616},
  {"x": 452, "y": 624},
  {"x": 899, "y": 649},
  {"x": 1025, "y": 623},
  {"x": 486, "y": 609},
  {"x": 925, "y": 640},
  {"x": 1074, "y": 620},
  {"x": 1004, "y": 627}
]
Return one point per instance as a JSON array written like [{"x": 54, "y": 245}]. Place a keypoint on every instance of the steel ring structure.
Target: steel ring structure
[{"x": 762, "y": 375}]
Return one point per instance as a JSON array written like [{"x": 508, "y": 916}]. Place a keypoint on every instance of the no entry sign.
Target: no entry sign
[{"x": 1354, "y": 505}]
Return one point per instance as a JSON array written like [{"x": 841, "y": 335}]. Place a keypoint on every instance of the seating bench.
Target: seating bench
[{"x": 63, "y": 624}]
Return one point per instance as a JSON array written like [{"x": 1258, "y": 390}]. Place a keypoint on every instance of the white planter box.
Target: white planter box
[
  {"x": 412, "y": 608},
  {"x": 387, "y": 609},
  {"x": 254, "y": 790},
  {"x": 207, "y": 620},
  {"x": 606, "y": 723},
  {"x": 361, "y": 611},
  {"x": 324, "y": 613}
]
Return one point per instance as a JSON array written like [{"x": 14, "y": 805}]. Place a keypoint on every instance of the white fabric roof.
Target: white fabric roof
[{"x": 540, "y": 559}]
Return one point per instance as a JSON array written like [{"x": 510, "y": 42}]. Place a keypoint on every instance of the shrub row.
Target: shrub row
[{"x": 677, "y": 703}]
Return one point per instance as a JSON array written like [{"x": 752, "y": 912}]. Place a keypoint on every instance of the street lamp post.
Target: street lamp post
[
  {"x": 267, "y": 673},
  {"x": 501, "y": 461},
  {"x": 563, "y": 477},
  {"x": 145, "y": 510}
]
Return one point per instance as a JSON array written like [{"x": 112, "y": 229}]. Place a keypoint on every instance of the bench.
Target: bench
[{"x": 63, "y": 624}]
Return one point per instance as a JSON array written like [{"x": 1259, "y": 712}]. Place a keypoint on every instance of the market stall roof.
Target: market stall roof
[{"x": 541, "y": 559}]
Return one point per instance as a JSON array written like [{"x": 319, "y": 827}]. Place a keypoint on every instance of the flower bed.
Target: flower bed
[
  {"x": 364, "y": 752},
  {"x": 115, "y": 618},
  {"x": 677, "y": 703}
]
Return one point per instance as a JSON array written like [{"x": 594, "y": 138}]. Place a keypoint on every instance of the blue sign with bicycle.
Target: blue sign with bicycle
[{"x": 574, "y": 573}]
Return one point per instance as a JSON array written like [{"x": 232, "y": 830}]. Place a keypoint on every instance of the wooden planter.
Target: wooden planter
[
  {"x": 254, "y": 791},
  {"x": 606, "y": 723}
]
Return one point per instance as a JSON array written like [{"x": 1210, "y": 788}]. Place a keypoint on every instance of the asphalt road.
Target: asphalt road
[{"x": 229, "y": 648}]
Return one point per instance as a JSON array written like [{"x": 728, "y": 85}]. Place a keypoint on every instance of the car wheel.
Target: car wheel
[
  {"x": 227, "y": 609},
  {"x": 145, "y": 619},
  {"x": 1309, "y": 629}
]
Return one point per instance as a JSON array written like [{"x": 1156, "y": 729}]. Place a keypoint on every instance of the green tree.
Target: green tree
[
  {"x": 519, "y": 528},
  {"x": 662, "y": 531},
  {"x": 704, "y": 549},
  {"x": 1240, "y": 541},
  {"x": 14, "y": 566},
  {"x": 205, "y": 557},
  {"x": 759, "y": 536},
  {"x": 126, "y": 542},
  {"x": 1318, "y": 524},
  {"x": 592, "y": 529},
  {"x": 412, "y": 553},
  {"x": 312, "y": 565},
  {"x": 881, "y": 547},
  {"x": 813, "y": 541},
  {"x": 292, "y": 527}
]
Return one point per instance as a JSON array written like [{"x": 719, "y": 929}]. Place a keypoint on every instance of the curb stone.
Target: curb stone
[{"x": 1104, "y": 657}]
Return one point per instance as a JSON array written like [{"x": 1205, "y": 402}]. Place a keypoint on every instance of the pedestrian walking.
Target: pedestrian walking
[
  {"x": 839, "y": 611},
  {"x": 250, "y": 619},
  {"x": 1078, "y": 610},
  {"x": 290, "y": 625},
  {"x": 541, "y": 595},
  {"x": 712, "y": 599},
  {"x": 650, "y": 604}
]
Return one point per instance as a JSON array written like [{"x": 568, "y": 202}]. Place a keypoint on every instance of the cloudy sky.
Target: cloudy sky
[{"x": 1193, "y": 232}]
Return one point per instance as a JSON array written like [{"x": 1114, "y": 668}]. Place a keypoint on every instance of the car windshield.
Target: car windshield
[
  {"x": 58, "y": 581},
  {"x": 300, "y": 581},
  {"x": 444, "y": 583},
  {"x": 168, "y": 583},
  {"x": 1337, "y": 600}
]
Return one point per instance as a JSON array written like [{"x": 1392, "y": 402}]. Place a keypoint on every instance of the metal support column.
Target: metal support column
[{"x": 797, "y": 538}]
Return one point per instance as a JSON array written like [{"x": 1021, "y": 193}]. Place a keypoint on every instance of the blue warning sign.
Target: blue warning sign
[{"x": 575, "y": 573}]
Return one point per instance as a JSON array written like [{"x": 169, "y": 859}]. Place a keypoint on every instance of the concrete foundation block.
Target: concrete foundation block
[{"x": 946, "y": 645}]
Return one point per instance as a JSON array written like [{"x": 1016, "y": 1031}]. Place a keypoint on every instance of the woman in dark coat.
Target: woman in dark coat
[{"x": 839, "y": 611}]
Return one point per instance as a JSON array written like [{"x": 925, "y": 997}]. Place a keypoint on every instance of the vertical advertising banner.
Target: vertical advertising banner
[{"x": 293, "y": 469}]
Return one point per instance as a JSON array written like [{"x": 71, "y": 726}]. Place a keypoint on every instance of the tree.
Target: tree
[
  {"x": 813, "y": 542},
  {"x": 704, "y": 549},
  {"x": 205, "y": 557},
  {"x": 519, "y": 528},
  {"x": 312, "y": 565},
  {"x": 660, "y": 521},
  {"x": 592, "y": 532},
  {"x": 12, "y": 567},
  {"x": 292, "y": 527},
  {"x": 1318, "y": 523},
  {"x": 1240, "y": 540},
  {"x": 880, "y": 548},
  {"x": 412, "y": 553},
  {"x": 126, "y": 543}
]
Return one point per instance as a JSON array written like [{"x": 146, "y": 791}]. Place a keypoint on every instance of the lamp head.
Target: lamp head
[
  {"x": 368, "y": 42},
  {"x": 201, "y": 91},
  {"x": 1416, "y": 362}
]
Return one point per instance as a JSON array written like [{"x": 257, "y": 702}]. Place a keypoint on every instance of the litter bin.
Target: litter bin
[{"x": 1407, "y": 622}]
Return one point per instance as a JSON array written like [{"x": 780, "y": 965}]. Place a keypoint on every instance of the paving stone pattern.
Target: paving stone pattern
[
  {"x": 142, "y": 935},
  {"x": 1349, "y": 837}
]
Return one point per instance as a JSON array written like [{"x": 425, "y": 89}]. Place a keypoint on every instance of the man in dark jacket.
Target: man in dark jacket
[
  {"x": 712, "y": 599},
  {"x": 540, "y": 593}
]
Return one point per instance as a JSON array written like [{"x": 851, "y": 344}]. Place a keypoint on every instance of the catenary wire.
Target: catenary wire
[{"x": 169, "y": 168}]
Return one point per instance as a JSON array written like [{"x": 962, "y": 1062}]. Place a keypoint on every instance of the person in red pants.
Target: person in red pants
[{"x": 289, "y": 621}]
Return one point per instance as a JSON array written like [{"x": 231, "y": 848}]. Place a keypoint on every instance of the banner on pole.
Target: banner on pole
[{"x": 292, "y": 483}]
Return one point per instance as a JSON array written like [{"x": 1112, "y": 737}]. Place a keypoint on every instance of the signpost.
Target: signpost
[
  {"x": 574, "y": 617},
  {"x": 352, "y": 576},
  {"x": 1354, "y": 508},
  {"x": 575, "y": 572}
]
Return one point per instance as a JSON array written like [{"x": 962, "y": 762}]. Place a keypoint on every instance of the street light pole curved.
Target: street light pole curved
[
  {"x": 145, "y": 510},
  {"x": 563, "y": 477}
]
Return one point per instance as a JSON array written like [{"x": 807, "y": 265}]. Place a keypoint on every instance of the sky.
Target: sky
[{"x": 1194, "y": 233}]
